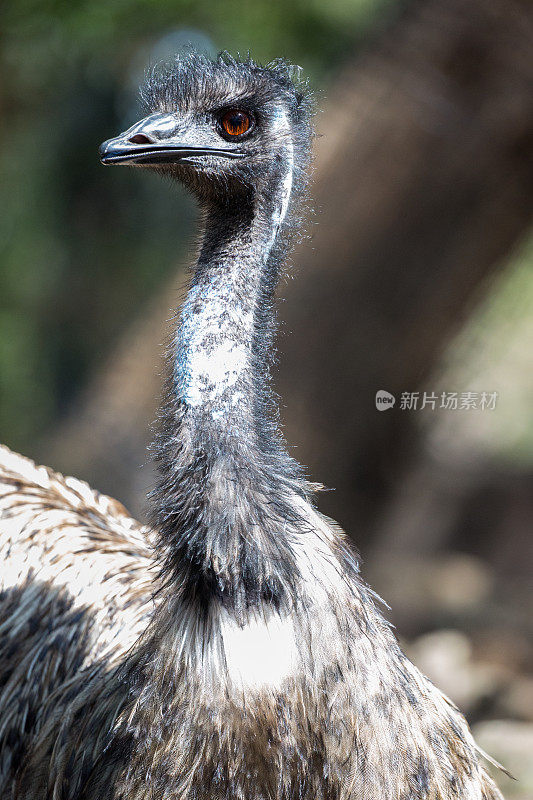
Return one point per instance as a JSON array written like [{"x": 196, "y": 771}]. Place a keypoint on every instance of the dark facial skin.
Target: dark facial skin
[{"x": 220, "y": 134}]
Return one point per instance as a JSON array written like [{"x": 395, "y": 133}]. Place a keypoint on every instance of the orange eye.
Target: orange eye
[{"x": 235, "y": 122}]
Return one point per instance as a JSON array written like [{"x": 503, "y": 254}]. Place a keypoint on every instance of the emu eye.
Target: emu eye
[{"x": 235, "y": 122}]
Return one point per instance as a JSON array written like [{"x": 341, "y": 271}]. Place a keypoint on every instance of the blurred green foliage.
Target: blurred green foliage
[{"x": 81, "y": 248}]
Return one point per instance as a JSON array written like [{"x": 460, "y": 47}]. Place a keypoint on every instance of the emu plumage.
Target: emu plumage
[{"x": 235, "y": 652}]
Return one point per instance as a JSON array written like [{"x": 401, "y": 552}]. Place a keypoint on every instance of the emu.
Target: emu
[{"x": 232, "y": 650}]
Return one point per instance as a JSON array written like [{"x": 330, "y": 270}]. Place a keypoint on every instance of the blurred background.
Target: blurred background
[{"x": 416, "y": 277}]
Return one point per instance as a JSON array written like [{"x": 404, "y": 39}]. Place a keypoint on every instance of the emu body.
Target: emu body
[{"x": 235, "y": 651}]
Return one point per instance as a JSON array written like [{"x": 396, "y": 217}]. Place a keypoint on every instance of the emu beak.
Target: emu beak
[{"x": 154, "y": 140}]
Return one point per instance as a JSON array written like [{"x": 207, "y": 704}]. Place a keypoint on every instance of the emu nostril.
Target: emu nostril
[{"x": 140, "y": 138}]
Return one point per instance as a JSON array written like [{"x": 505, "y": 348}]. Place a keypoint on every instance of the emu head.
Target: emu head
[{"x": 222, "y": 127}]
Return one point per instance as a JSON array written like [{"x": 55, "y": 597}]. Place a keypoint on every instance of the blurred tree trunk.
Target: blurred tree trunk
[{"x": 423, "y": 186}]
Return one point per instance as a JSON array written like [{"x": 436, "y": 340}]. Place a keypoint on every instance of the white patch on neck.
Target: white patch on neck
[
  {"x": 262, "y": 653},
  {"x": 286, "y": 186},
  {"x": 212, "y": 369},
  {"x": 219, "y": 370},
  {"x": 280, "y": 211}
]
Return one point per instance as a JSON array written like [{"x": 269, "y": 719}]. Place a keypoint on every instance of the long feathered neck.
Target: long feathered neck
[
  {"x": 224, "y": 498},
  {"x": 222, "y": 342}
]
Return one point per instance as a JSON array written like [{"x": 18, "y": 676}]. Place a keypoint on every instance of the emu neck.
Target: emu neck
[
  {"x": 226, "y": 479},
  {"x": 221, "y": 342}
]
